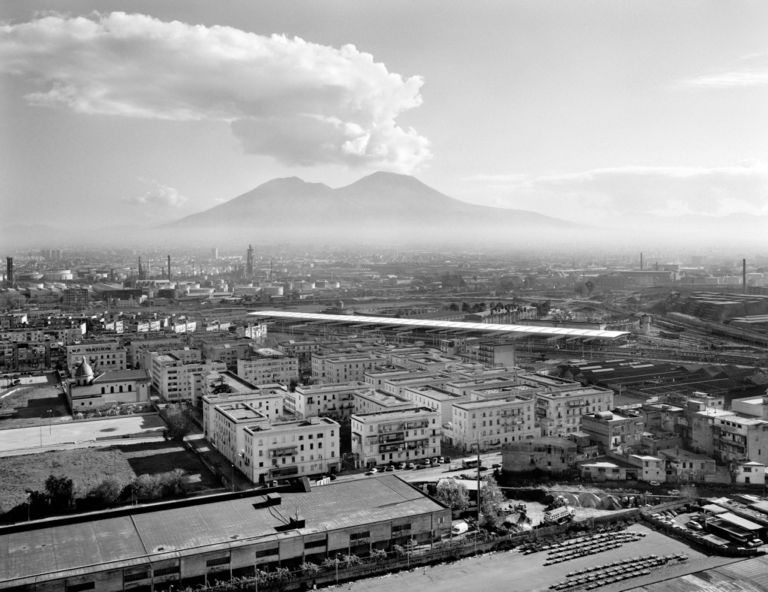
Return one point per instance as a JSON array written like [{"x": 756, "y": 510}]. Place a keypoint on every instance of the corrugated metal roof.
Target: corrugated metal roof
[{"x": 456, "y": 325}]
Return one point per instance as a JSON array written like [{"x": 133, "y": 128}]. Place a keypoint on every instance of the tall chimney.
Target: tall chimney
[
  {"x": 744, "y": 274},
  {"x": 9, "y": 271},
  {"x": 169, "y": 268},
  {"x": 641, "y": 261}
]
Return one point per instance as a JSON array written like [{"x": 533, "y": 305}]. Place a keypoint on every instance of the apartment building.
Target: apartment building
[
  {"x": 377, "y": 375},
  {"x": 177, "y": 380},
  {"x": 137, "y": 347},
  {"x": 396, "y": 385},
  {"x": 376, "y": 401},
  {"x": 552, "y": 455},
  {"x": 228, "y": 351},
  {"x": 226, "y": 387},
  {"x": 307, "y": 447},
  {"x": 336, "y": 368},
  {"x": 102, "y": 355},
  {"x": 559, "y": 411},
  {"x": 493, "y": 423},
  {"x": 266, "y": 365},
  {"x": 436, "y": 399},
  {"x": 612, "y": 431},
  {"x": 395, "y": 436},
  {"x": 736, "y": 438},
  {"x": 326, "y": 400}
]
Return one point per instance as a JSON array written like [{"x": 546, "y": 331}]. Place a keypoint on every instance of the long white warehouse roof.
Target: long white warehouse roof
[{"x": 433, "y": 324}]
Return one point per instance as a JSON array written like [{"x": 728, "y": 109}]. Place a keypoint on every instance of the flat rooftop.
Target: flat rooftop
[
  {"x": 140, "y": 534},
  {"x": 431, "y": 324}
]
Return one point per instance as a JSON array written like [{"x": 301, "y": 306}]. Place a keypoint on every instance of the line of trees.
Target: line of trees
[{"x": 58, "y": 493}]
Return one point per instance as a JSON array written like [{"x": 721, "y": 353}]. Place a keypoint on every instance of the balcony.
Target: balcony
[{"x": 287, "y": 451}]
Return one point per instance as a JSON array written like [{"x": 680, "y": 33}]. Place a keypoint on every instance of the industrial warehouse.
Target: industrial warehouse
[{"x": 216, "y": 538}]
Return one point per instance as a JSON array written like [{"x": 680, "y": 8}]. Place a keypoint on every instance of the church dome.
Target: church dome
[{"x": 84, "y": 372}]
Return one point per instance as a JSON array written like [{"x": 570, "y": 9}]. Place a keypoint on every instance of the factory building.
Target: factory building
[{"x": 198, "y": 541}]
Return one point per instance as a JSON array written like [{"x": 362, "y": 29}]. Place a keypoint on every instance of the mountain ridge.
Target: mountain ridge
[{"x": 381, "y": 198}]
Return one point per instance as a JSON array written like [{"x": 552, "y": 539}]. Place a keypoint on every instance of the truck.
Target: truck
[
  {"x": 459, "y": 527},
  {"x": 559, "y": 515}
]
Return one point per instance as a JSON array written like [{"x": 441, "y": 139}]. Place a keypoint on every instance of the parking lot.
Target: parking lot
[{"x": 515, "y": 571}]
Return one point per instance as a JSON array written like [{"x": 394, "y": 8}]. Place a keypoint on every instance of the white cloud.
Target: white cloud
[
  {"x": 623, "y": 192},
  {"x": 159, "y": 196},
  {"x": 751, "y": 71},
  {"x": 301, "y": 102}
]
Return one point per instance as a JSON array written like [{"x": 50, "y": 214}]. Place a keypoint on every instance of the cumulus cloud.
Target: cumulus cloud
[
  {"x": 300, "y": 102},
  {"x": 159, "y": 196},
  {"x": 623, "y": 192},
  {"x": 751, "y": 71}
]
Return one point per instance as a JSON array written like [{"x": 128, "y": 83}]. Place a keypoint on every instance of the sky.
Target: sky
[{"x": 600, "y": 112}]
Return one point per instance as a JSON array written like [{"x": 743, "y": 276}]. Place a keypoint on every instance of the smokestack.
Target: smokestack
[
  {"x": 744, "y": 274},
  {"x": 641, "y": 261},
  {"x": 169, "y": 268},
  {"x": 141, "y": 271},
  {"x": 9, "y": 271}
]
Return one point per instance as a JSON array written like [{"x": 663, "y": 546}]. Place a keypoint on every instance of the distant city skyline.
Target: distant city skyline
[{"x": 598, "y": 112}]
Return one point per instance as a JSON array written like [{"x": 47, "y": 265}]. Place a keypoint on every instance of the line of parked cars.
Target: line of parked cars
[{"x": 400, "y": 466}]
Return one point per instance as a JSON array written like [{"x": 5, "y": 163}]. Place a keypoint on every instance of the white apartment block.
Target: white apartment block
[
  {"x": 176, "y": 380},
  {"x": 396, "y": 385},
  {"x": 396, "y": 436},
  {"x": 105, "y": 355},
  {"x": 559, "y": 411},
  {"x": 327, "y": 400},
  {"x": 436, "y": 399},
  {"x": 291, "y": 449},
  {"x": 375, "y": 401},
  {"x": 336, "y": 368},
  {"x": 226, "y": 387},
  {"x": 493, "y": 423},
  {"x": 136, "y": 348},
  {"x": 376, "y": 376},
  {"x": 268, "y": 365}
]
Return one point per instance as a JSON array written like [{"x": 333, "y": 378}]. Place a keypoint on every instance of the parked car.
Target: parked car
[
  {"x": 390, "y": 468},
  {"x": 409, "y": 465}
]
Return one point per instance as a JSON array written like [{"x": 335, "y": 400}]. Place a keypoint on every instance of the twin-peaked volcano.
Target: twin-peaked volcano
[{"x": 379, "y": 203}]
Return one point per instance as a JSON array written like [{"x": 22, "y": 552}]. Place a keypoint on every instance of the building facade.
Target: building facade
[{"x": 395, "y": 436}]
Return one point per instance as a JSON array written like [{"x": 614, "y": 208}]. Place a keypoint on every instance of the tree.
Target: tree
[
  {"x": 378, "y": 555},
  {"x": 179, "y": 423},
  {"x": 60, "y": 492},
  {"x": 310, "y": 569},
  {"x": 491, "y": 501},
  {"x": 453, "y": 494},
  {"x": 107, "y": 492}
]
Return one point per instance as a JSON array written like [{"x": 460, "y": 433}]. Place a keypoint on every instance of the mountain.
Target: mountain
[{"x": 379, "y": 205}]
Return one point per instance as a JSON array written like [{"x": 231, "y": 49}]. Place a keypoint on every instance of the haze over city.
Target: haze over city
[{"x": 625, "y": 120}]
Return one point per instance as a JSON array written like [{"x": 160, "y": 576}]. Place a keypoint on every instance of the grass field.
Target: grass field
[{"x": 87, "y": 467}]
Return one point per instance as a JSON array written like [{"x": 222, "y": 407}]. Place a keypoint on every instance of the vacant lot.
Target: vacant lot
[
  {"x": 87, "y": 467},
  {"x": 161, "y": 457},
  {"x": 34, "y": 404}
]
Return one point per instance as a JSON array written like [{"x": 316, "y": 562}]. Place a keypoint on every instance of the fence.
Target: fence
[{"x": 286, "y": 580}]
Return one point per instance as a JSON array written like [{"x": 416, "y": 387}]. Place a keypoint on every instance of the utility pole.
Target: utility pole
[{"x": 478, "y": 487}]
